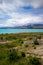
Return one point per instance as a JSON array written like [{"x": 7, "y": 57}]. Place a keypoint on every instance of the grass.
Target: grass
[
  {"x": 16, "y": 41},
  {"x": 34, "y": 60}
]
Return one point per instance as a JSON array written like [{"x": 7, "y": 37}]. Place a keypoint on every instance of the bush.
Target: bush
[
  {"x": 20, "y": 41},
  {"x": 34, "y": 47},
  {"x": 26, "y": 45},
  {"x": 13, "y": 55},
  {"x": 36, "y": 42},
  {"x": 1, "y": 38},
  {"x": 21, "y": 63},
  {"x": 34, "y": 60},
  {"x": 30, "y": 38},
  {"x": 23, "y": 54}
]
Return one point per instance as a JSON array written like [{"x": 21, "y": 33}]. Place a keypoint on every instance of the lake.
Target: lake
[{"x": 19, "y": 30}]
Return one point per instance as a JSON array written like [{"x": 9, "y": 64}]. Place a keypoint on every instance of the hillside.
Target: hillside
[{"x": 17, "y": 49}]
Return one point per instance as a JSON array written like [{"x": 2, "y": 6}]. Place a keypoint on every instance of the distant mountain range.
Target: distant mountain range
[{"x": 27, "y": 26}]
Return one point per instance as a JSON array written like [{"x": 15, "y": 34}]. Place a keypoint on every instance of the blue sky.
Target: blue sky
[{"x": 20, "y": 12}]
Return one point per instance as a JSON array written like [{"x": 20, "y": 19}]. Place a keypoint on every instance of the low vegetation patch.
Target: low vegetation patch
[
  {"x": 18, "y": 47},
  {"x": 36, "y": 42},
  {"x": 34, "y": 61}
]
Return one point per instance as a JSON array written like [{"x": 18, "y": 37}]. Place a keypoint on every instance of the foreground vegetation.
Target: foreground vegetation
[{"x": 21, "y": 49}]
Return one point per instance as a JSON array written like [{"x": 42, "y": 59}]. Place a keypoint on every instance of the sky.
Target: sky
[{"x": 20, "y": 12}]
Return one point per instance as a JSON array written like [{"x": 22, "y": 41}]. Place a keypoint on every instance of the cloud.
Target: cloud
[
  {"x": 21, "y": 19},
  {"x": 20, "y": 12}
]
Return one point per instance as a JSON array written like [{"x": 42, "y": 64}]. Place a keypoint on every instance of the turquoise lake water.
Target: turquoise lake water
[{"x": 19, "y": 30}]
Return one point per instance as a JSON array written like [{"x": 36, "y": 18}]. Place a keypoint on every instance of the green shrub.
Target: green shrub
[
  {"x": 23, "y": 54},
  {"x": 36, "y": 42},
  {"x": 1, "y": 38},
  {"x": 21, "y": 63},
  {"x": 20, "y": 41},
  {"x": 13, "y": 55},
  {"x": 34, "y": 47},
  {"x": 34, "y": 60},
  {"x": 26, "y": 45},
  {"x": 30, "y": 38}
]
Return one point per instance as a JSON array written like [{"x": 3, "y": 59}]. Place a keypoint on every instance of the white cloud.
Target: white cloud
[
  {"x": 21, "y": 19},
  {"x": 10, "y": 4},
  {"x": 10, "y": 7}
]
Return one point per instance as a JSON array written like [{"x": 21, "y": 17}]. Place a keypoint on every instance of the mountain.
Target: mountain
[
  {"x": 27, "y": 26},
  {"x": 36, "y": 26}
]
